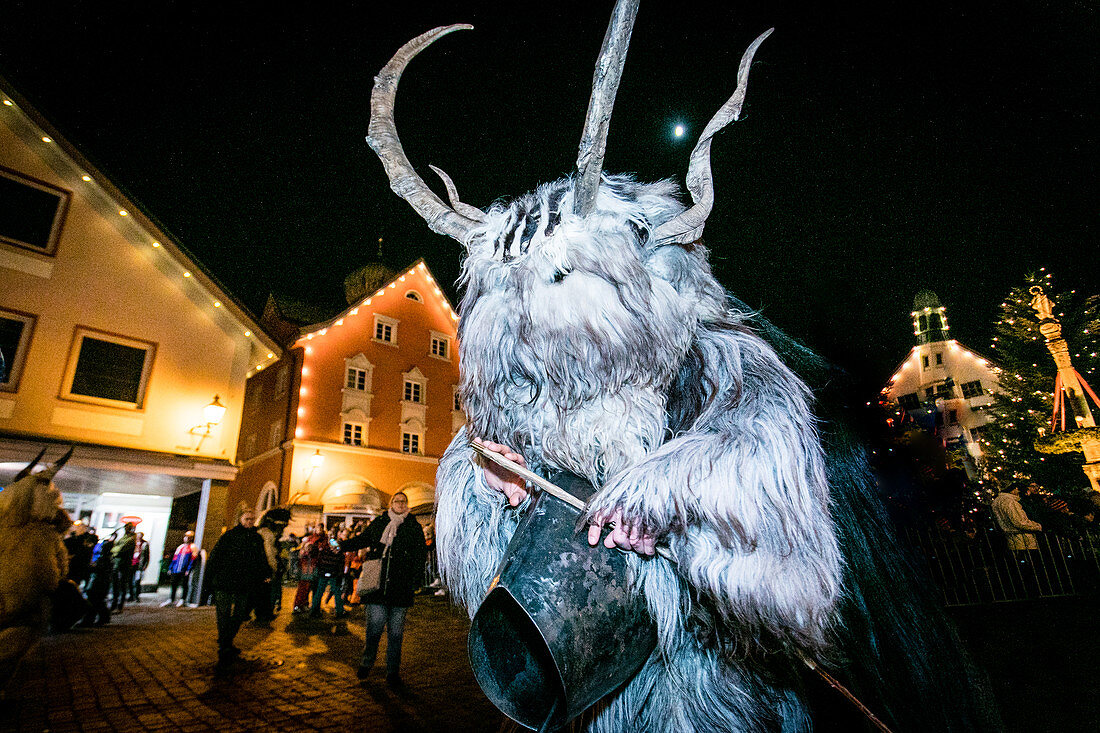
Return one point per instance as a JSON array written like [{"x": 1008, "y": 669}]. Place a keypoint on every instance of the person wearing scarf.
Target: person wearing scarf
[{"x": 398, "y": 540}]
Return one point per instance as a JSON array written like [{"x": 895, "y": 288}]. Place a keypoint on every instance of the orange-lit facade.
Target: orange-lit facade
[{"x": 360, "y": 407}]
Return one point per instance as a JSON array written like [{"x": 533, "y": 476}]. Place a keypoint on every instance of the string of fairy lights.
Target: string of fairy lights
[
  {"x": 1021, "y": 407},
  {"x": 1023, "y": 410},
  {"x": 338, "y": 321},
  {"x": 165, "y": 255}
]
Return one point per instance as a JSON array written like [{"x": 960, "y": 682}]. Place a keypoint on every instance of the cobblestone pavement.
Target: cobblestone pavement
[{"x": 152, "y": 669}]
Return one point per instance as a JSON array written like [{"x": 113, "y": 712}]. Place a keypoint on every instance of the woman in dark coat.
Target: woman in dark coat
[{"x": 397, "y": 538}]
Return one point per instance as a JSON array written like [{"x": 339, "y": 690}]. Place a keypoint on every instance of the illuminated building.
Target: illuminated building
[
  {"x": 941, "y": 384},
  {"x": 115, "y": 341},
  {"x": 361, "y": 406}
]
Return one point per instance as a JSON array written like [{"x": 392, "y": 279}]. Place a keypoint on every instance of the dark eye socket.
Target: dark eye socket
[
  {"x": 552, "y": 221},
  {"x": 560, "y": 275}
]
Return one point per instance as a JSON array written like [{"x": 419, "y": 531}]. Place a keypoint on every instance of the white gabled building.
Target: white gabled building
[
  {"x": 114, "y": 341},
  {"x": 944, "y": 386}
]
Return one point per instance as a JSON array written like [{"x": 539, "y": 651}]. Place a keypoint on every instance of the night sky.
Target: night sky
[{"x": 881, "y": 150}]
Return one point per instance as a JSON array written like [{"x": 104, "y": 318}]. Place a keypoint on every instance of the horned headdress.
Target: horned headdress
[{"x": 459, "y": 219}]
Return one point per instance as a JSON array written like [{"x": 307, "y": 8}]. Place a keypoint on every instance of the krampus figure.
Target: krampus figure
[
  {"x": 33, "y": 560},
  {"x": 595, "y": 340}
]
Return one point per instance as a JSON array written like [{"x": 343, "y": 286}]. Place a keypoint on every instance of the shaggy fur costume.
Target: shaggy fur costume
[
  {"x": 595, "y": 340},
  {"x": 33, "y": 561},
  {"x": 589, "y": 349}
]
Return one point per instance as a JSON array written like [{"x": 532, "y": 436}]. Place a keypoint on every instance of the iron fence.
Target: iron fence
[{"x": 979, "y": 567}]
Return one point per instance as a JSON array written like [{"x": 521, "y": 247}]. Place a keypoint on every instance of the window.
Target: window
[
  {"x": 909, "y": 401},
  {"x": 108, "y": 370},
  {"x": 15, "y": 339},
  {"x": 947, "y": 391},
  {"x": 353, "y": 433},
  {"x": 413, "y": 295},
  {"x": 939, "y": 359},
  {"x": 457, "y": 400},
  {"x": 972, "y": 389},
  {"x": 924, "y": 361},
  {"x": 357, "y": 378},
  {"x": 923, "y": 320},
  {"x": 410, "y": 443},
  {"x": 413, "y": 392},
  {"x": 385, "y": 329},
  {"x": 952, "y": 417},
  {"x": 440, "y": 345},
  {"x": 275, "y": 434},
  {"x": 31, "y": 212},
  {"x": 282, "y": 381},
  {"x": 934, "y": 322},
  {"x": 440, "y": 348},
  {"x": 253, "y": 394},
  {"x": 930, "y": 393},
  {"x": 268, "y": 498}
]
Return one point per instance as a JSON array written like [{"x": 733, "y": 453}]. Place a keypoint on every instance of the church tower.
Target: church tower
[
  {"x": 943, "y": 386},
  {"x": 929, "y": 319}
]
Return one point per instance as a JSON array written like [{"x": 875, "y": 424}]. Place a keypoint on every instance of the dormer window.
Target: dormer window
[
  {"x": 440, "y": 346},
  {"x": 385, "y": 329},
  {"x": 356, "y": 379},
  {"x": 972, "y": 389},
  {"x": 353, "y": 433}
]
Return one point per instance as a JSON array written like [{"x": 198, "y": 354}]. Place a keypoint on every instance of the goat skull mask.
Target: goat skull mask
[{"x": 582, "y": 289}]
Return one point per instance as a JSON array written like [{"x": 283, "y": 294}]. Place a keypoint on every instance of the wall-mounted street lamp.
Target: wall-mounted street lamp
[
  {"x": 212, "y": 414},
  {"x": 315, "y": 462}
]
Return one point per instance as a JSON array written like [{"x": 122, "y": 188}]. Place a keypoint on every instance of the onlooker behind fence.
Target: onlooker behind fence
[
  {"x": 237, "y": 566},
  {"x": 140, "y": 563},
  {"x": 179, "y": 569},
  {"x": 1018, "y": 528}
]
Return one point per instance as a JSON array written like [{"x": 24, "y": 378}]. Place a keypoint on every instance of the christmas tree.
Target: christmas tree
[{"x": 1022, "y": 411}]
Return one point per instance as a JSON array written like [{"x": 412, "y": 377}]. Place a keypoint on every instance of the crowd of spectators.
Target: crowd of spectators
[
  {"x": 248, "y": 566},
  {"x": 106, "y": 571}
]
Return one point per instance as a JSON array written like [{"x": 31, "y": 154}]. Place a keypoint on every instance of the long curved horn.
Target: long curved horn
[
  {"x": 383, "y": 140},
  {"x": 57, "y": 465},
  {"x": 470, "y": 212},
  {"x": 30, "y": 467},
  {"x": 688, "y": 226},
  {"x": 605, "y": 83}
]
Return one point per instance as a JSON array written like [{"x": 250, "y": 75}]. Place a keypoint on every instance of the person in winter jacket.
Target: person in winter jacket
[
  {"x": 179, "y": 569},
  {"x": 139, "y": 563},
  {"x": 330, "y": 575},
  {"x": 237, "y": 566},
  {"x": 122, "y": 566},
  {"x": 272, "y": 524},
  {"x": 99, "y": 583},
  {"x": 1018, "y": 528},
  {"x": 398, "y": 540}
]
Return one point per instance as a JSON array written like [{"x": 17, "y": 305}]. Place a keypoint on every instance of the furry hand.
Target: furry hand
[{"x": 500, "y": 478}]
